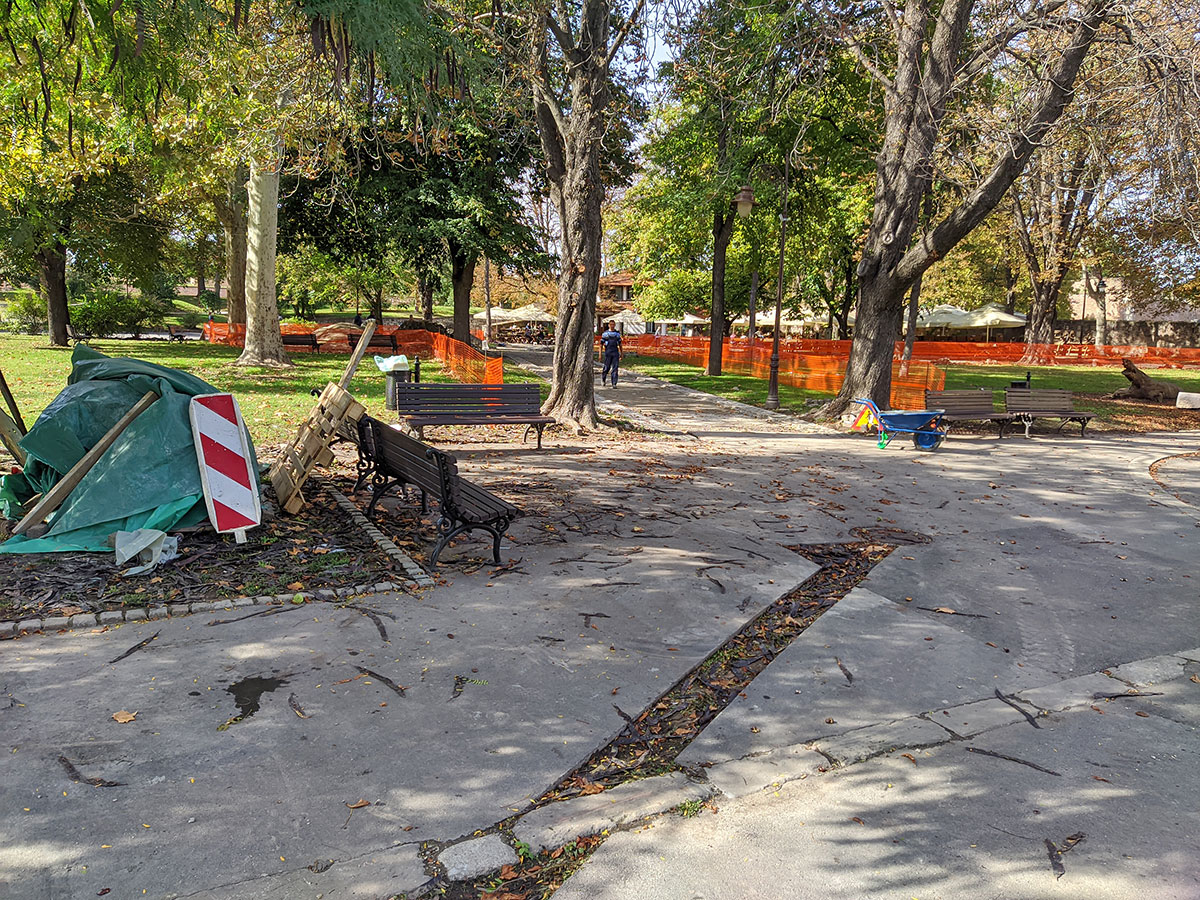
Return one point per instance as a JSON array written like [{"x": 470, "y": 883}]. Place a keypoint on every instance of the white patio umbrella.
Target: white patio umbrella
[
  {"x": 943, "y": 316},
  {"x": 994, "y": 316},
  {"x": 630, "y": 321}
]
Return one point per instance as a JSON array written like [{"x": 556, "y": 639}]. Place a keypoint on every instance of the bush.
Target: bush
[
  {"x": 103, "y": 313},
  {"x": 190, "y": 318},
  {"x": 209, "y": 301},
  {"x": 26, "y": 313}
]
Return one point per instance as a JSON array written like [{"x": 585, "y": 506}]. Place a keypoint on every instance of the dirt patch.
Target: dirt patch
[{"x": 319, "y": 547}]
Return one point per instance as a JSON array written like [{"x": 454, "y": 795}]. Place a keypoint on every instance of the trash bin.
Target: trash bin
[{"x": 395, "y": 370}]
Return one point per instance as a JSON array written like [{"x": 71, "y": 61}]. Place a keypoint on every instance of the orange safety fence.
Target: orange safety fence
[
  {"x": 466, "y": 363},
  {"x": 799, "y": 366},
  {"x": 1055, "y": 354}
]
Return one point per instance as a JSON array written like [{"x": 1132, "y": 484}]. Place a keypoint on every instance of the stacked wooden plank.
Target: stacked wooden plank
[{"x": 335, "y": 409}]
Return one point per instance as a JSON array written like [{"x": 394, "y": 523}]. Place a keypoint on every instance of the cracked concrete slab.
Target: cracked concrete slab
[
  {"x": 851, "y": 747},
  {"x": 477, "y": 856}
]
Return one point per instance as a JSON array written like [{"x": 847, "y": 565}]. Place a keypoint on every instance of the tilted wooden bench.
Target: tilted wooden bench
[
  {"x": 1025, "y": 405},
  {"x": 421, "y": 405},
  {"x": 397, "y": 459},
  {"x": 968, "y": 405},
  {"x": 302, "y": 340}
]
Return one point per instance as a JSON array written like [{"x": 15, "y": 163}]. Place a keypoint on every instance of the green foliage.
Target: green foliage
[
  {"x": 26, "y": 313},
  {"x": 210, "y": 302},
  {"x": 677, "y": 292},
  {"x": 191, "y": 318},
  {"x": 103, "y": 313}
]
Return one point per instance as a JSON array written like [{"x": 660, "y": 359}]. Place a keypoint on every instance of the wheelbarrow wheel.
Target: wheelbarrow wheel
[{"x": 927, "y": 440}]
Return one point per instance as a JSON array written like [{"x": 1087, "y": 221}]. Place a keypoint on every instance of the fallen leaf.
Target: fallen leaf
[
  {"x": 103, "y": 891},
  {"x": 296, "y": 586},
  {"x": 990, "y": 644},
  {"x": 945, "y": 609},
  {"x": 830, "y": 722},
  {"x": 1195, "y": 678},
  {"x": 359, "y": 805},
  {"x": 1098, "y": 709},
  {"x": 1144, "y": 715},
  {"x": 1105, "y": 780},
  {"x": 858, "y": 820},
  {"x": 912, "y": 759},
  {"x": 509, "y": 872},
  {"x": 124, "y": 716}
]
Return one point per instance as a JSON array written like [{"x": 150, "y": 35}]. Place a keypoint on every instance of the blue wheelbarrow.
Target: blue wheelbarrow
[{"x": 925, "y": 425}]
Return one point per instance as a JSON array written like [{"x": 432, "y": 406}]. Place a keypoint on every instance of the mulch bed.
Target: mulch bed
[{"x": 319, "y": 547}]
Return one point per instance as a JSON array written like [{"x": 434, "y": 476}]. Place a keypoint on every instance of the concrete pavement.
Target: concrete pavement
[{"x": 639, "y": 556}]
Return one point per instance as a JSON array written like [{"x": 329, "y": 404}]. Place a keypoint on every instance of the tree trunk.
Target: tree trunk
[
  {"x": 1143, "y": 387},
  {"x": 231, "y": 212},
  {"x": 377, "y": 305},
  {"x": 1101, "y": 304},
  {"x": 572, "y": 398},
  {"x": 1010, "y": 290},
  {"x": 200, "y": 274},
  {"x": 914, "y": 300},
  {"x": 722, "y": 231},
  {"x": 1039, "y": 329},
  {"x": 264, "y": 345},
  {"x": 52, "y": 274},
  {"x": 425, "y": 288},
  {"x": 894, "y": 254},
  {"x": 869, "y": 369},
  {"x": 217, "y": 285},
  {"x": 487, "y": 302},
  {"x": 753, "y": 305},
  {"x": 462, "y": 279}
]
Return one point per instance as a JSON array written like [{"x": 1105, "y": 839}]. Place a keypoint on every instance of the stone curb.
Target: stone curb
[
  {"x": 174, "y": 610},
  {"x": 418, "y": 575},
  {"x": 415, "y": 573}
]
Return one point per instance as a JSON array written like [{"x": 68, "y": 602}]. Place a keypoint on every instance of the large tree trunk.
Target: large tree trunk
[
  {"x": 1039, "y": 329},
  {"x": 927, "y": 65},
  {"x": 572, "y": 398},
  {"x": 1092, "y": 288},
  {"x": 722, "y": 231},
  {"x": 1010, "y": 290},
  {"x": 462, "y": 278},
  {"x": 264, "y": 345},
  {"x": 231, "y": 212},
  {"x": 52, "y": 274},
  {"x": 200, "y": 288},
  {"x": 377, "y": 305}
]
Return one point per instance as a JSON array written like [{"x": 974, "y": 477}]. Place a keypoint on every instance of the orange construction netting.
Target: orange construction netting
[
  {"x": 812, "y": 365},
  {"x": 466, "y": 363},
  {"x": 1054, "y": 354}
]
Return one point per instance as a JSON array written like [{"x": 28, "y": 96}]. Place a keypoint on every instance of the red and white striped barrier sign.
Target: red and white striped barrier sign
[{"x": 230, "y": 488}]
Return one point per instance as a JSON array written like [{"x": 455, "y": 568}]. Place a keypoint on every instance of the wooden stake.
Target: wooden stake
[
  {"x": 57, "y": 494},
  {"x": 12, "y": 405},
  {"x": 357, "y": 355}
]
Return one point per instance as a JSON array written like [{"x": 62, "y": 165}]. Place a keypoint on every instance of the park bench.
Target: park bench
[
  {"x": 377, "y": 341},
  {"x": 397, "y": 459},
  {"x": 968, "y": 405},
  {"x": 302, "y": 340},
  {"x": 1025, "y": 405},
  {"x": 77, "y": 335},
  {"x": 420, "y": 405},
  {"x": 173, "y": 335}
]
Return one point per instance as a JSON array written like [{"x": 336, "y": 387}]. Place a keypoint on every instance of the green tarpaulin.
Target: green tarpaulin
[{"x": 148, "y": 478}]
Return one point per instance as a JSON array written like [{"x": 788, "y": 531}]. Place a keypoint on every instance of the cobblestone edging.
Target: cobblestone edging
[
  {"x": 173, "y": 610},
  {"x": 411, "y": 569},
  {"x": 414, "y": 572}
]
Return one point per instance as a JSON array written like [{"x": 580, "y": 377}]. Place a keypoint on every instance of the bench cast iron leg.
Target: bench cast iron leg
[
  {"x": 539, "y": 429},
  {"x": 381, "y": 486}
]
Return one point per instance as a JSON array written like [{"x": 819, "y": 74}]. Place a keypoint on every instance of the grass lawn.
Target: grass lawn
[
  {"x": 274, "y": 402},
  {"x": 743, "y": 388},
  {"x": 1089, "y": 383}
]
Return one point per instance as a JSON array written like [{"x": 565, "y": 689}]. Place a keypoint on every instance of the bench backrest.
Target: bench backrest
[
  {"x": 377, "y": 340},
  {"x": 401, "y": 456},
  {"x": 1038, "y": 400},
  {"x": 468, "y": 399},
  {"x": 967, "y": 402}
]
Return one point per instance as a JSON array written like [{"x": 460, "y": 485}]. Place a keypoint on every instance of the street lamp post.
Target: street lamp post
[{"x": 773, "y": 383}]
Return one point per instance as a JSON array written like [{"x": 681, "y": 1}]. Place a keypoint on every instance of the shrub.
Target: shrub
[
  {"x": 103, "y": 313},
  {"x": 209, "y": 301},
  {"x": 191, "y": 318},
  {"x": 26, "y": 313}
]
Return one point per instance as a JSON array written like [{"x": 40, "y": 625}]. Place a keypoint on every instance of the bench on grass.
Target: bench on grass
[
  {"x": 377, "y": 341},
  {"x": 420, "y": 405},
  {"x": 397, "y": 459},
  {"x": 173, "y": 335},
  {"x": 1026, "y": 404},
  {"x": 302, "y": 340},
  {"x": 969, "y": 405}
]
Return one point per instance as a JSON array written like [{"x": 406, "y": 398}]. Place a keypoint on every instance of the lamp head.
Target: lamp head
[{"x": 744, "y": 202}]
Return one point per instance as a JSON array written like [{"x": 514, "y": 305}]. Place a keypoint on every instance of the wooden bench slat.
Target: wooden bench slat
[
  {"x": 421, "y": 405},
  {"x": 1028, "y": 404},
  {"x": 390, "y": 457}
]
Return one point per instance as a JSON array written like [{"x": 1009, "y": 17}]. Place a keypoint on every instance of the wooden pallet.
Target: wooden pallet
[{"x": 310, "y": 448}]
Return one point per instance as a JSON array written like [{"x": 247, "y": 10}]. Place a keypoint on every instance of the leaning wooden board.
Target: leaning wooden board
[{"x": 310, "y": 447}]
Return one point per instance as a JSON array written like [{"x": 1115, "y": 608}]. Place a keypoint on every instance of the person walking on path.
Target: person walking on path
[{"x": 611, "y": 342}]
